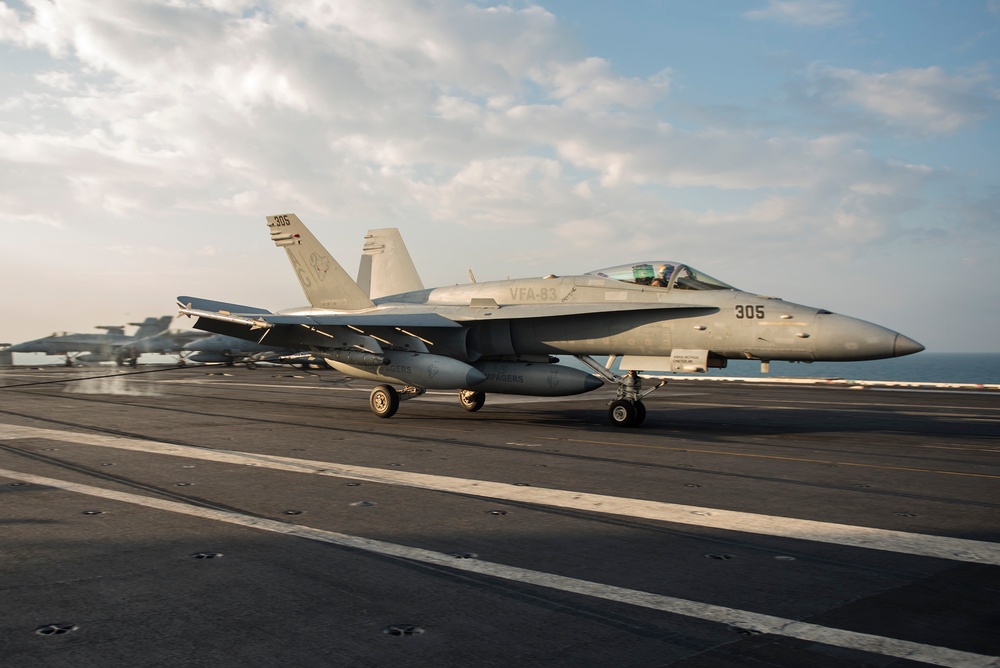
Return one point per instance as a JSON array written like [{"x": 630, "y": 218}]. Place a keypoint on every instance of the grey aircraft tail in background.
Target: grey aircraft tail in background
[{"x": 502, "y": 336}]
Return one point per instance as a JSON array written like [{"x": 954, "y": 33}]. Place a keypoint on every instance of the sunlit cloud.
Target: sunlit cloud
[
  {"x": 816, "y": 13},
  {"x": 928, "y": 100}
]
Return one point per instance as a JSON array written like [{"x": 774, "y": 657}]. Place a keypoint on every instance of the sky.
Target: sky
[{"x": 836, "y": 153}]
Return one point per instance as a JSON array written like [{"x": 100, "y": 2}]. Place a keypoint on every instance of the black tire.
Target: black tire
[
  {"x": 640, "y": 413},
  {"x": 622, "y": 413},
  {"x": 384, "y": 401},
  {"x": 471, "y": 401}
]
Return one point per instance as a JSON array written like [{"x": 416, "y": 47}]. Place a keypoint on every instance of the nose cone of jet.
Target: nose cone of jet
[{"x": 904, "y": 345}]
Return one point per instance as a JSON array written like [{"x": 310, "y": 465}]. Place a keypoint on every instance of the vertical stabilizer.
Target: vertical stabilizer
[
  {"x": 386, "y": 267},
  {"x": 151, "y": 326},
  {"x": 324, "y": 281}
]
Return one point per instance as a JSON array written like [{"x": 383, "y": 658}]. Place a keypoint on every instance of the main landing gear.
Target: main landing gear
[
  {"x": 127, "y": 357},
  {"x": 471, "y": 400},
  {"x": 627, "y": 409},
  {"x": 384, "y": 399}
]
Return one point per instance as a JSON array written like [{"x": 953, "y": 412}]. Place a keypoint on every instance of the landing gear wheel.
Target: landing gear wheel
[
  {"x": 471, "y": 401},
  {"x": 384, "y": 401},
  {"x": 251, "y": 365},
  {"x": 640, "y": 413},
  {"x": 623, "y": 413}
]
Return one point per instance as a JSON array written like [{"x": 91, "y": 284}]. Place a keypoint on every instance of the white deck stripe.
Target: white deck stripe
[
  {"x": 942, "y": 547},
  {"x": 939, "y": 656}
]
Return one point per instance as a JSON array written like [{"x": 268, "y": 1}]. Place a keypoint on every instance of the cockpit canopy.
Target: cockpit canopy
[{"x": 662, "y": 274}]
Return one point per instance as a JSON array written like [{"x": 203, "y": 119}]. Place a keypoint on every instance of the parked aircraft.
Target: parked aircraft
[
  {"x": 500, "y": 336},
  {"x": 166, "y": 342},
  {"x": 230, "y": 350},
  {"x": 96, "y": 347}
]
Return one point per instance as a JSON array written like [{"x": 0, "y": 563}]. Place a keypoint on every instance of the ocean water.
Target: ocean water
[{"x": 974, "y": 368}]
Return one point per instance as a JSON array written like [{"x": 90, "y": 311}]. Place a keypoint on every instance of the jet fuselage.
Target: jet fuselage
[{"x": 730, "y": 323}]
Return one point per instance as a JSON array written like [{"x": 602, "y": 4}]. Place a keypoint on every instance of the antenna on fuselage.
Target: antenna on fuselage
[{"x": 472, "y": 277}]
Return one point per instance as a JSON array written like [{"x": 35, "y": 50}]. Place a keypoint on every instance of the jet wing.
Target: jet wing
[
  {"x": 237, "y": 314},
  {"x": 519, "y": 311},
  {"x": 410, "y": 315},
  {"x": 257, "y": 318},
  {"x": 427, "y": 315}
]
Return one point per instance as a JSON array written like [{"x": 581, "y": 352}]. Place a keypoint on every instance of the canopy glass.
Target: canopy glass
[{"x": 662, "y": 274}]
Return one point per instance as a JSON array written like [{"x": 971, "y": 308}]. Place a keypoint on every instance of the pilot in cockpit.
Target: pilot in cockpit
[{"x": 662, "y": 279}]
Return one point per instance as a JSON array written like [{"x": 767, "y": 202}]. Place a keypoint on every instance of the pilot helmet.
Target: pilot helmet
[{"x": 665, "y": 270}]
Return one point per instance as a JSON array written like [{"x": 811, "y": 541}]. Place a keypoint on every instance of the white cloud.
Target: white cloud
[
  {"x": 517, "y": 191},
  {"x": 590, "y": 84},
  {"x": 817, "y": 13},
  {"x": 468, "y": 114},
  {"x": 927, "y": 100}
]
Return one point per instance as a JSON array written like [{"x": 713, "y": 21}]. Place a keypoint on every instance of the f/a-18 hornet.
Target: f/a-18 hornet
[{"x": 501, "y": 336}]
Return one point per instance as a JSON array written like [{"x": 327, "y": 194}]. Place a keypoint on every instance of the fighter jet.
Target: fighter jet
[
  {"x": 93, "y": 347},
  {"x": 230, "y": 350},
  {"x": 502, "y": 336},
  {"x": 166, "y": 342}
]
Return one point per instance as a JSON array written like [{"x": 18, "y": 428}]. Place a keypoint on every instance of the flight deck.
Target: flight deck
[{"x": 227, "y": 517}]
